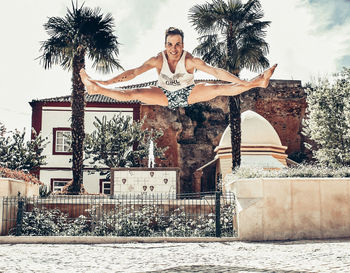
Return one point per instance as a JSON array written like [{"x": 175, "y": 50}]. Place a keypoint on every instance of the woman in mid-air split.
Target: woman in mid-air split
[{"x": 176, "y": 87}]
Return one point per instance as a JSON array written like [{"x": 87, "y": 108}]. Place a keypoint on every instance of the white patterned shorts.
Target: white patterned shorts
[{"x": 178, "y": 98}]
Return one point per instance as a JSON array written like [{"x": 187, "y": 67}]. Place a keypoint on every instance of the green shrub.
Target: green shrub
[
  {"x": 327, "y": 121},
  {"x": 303, "y": 170},
  {"x": 146, "y": 221},
  {"x": 43, "y": 222}
]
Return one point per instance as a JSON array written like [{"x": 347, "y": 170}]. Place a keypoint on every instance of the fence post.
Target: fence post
[
  {"x": 19, "y": 215},
  {"x": 217, "y": 214}
]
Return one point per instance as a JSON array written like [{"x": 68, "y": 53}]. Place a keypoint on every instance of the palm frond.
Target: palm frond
[
  {"x": 253, "y": 58},
  {"x": 81, "y": 30},
  {"x": 54, "y": 50},
  {"x": 207, "y": 18},
  {"x": 231, "y": 34},
  {"x": 211, "y": 50},
  {"x": 251, "y": 7},
  {"x": 255, "y": 29}
]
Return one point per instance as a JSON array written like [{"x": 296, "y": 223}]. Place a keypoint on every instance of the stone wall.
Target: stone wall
[
  {"x": 283, "y": 104},
  {"x": 193, "y": 133},
  {"x": 281, "y": 208}
]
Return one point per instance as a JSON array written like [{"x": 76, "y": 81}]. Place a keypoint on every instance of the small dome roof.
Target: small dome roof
[{"x": 256, "y": 130}]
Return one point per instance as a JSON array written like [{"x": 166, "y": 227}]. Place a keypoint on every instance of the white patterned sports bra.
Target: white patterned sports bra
[{"x": 175, "y": 81}]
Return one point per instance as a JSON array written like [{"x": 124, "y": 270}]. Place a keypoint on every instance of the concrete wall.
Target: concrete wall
[
  {"x": 292, "y": 208},
  {"x": 11, "y": 187},
  {"x": 91, "y": 180}
]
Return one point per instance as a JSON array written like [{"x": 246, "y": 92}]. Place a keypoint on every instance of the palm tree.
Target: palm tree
[
  {"x": 82, "y": 31},
  {"x": 232, "y": 38}
]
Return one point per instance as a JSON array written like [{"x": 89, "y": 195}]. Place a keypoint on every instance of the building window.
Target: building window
[
  {"x": 61, "y": 141},
  {"x": 105, "y": 186},
  {"x": 58, "y": 183}
]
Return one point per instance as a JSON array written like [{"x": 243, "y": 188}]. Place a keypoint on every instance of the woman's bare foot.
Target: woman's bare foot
[
  {"x": 91, "y": 87},
  {"x": 264, "y": 78}
]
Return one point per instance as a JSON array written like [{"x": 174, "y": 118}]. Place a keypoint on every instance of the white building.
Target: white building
[
  {"x": 261, "y": 148},
  {"x": 52, "y": 118}
]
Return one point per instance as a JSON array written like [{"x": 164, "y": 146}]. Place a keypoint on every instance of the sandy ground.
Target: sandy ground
[{"x": 300, "y": 256}]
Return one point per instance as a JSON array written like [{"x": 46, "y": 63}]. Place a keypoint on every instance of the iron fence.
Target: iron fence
[{"x": 196, "y": 214}]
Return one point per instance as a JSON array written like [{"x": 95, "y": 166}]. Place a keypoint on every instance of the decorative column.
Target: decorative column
[{"x": 197, "y": 175}]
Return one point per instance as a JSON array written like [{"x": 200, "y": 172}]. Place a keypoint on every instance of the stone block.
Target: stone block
[
  {"x": 306, "y": 209},
  {"x": 335, "y": 208},
  {"x": 250, "y": 222},
  {"x": 248, "y": 188},
  {"x": 277, "y": 213}
]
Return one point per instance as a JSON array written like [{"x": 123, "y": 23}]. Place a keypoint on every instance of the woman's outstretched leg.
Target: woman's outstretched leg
[
  {"x": 150, "y": 95},
  {"x": 206, "y": 92}
]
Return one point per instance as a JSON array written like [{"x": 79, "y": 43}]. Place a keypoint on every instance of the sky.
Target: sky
[{"x": 307, "y": 38}]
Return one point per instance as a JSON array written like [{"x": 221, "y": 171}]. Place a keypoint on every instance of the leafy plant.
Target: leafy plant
[
  {"x": 328, "y": 119},
  {"x": 302, "y": 170},
  {"x": 43, "y": 222},
  {"x": 18, "y": 154},
  {"x": 120, "y": 142},
  {"x": 126, "y": 220}
]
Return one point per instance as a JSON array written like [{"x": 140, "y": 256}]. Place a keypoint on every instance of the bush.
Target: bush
[
  {"x": 328, "y": 119},
  {"x": 146, "y": 221},
  {"x": 43, "y": 222},
  {"x": 18, "y": 154},
  {"x": 111, "y": 142},
  {"x": 303, "y": 170}
]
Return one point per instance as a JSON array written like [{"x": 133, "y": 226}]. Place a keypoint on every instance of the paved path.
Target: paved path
[{"x": 301, "y": 256}]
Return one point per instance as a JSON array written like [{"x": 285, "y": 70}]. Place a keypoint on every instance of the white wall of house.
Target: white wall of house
[
  {"x": 91, "y": 181},
  {"x": 60, "y": 117}
]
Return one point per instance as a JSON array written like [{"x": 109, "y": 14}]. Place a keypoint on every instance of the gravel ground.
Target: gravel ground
[{"x": 299, "y": 256}]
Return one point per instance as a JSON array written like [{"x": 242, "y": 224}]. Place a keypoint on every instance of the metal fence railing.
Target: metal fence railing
[{"x": 197, "y": 214}]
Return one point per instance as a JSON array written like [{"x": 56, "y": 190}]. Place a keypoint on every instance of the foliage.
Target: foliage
[
  {"x": 18, "y": 154},
  {"x": 298, "y": 157},
  {"x": 145, "y": 220},
  {"x": 120, "y": 142},
  {"x": 43, "y": 222},
  {"x": 129, "y": 221},
  {"x": 302, "y": 170},
  {"x": 232, "y": 37},
  {"x": 81, "y": 32},
  {"x": 328, "y": 119},
  {"x": 43, "y": 191},
  {"x": 51, "y": 222},
  {"x": 231, "y": 34}
]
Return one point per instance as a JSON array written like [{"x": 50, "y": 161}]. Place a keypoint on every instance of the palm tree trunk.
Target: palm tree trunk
[
  {"x": 234, "y": 103},
  {"x": 78, "y": 134},
  {"x": 235, "y": 125}
]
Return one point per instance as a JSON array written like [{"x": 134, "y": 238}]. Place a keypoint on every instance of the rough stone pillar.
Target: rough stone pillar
[{"x": 197, "y": 175}]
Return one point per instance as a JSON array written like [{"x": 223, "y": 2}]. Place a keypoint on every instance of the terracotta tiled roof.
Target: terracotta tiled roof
[
  {"x": 98, "y": 98},
  {"x": 88, "y": 98}
]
